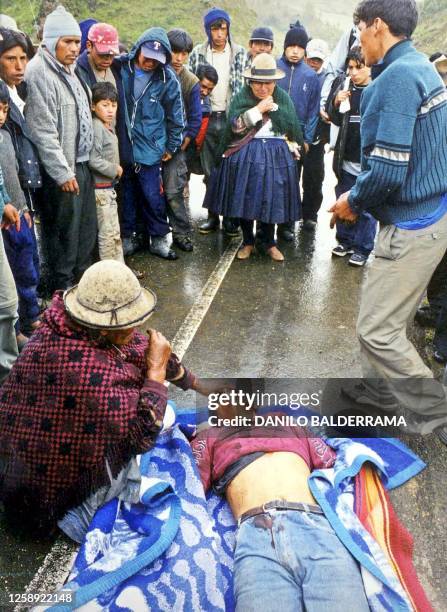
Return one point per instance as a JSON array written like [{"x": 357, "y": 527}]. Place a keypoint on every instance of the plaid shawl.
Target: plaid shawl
[{"x": 68, "y": 405}]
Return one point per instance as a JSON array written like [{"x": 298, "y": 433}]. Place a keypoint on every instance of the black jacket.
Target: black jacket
[{"x": 26, "y": 152}]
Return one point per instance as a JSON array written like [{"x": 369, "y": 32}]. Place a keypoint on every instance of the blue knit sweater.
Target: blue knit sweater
[{"x": 404, "y": 139}]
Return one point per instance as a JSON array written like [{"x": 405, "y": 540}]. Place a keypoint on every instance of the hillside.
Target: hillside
[
  {"x": 323, "y": 18},
  {"x": 132, "y": 17},
  {"x": 431, "y": 35}
]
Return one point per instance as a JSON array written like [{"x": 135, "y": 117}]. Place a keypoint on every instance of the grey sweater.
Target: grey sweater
[
  {"x": 52, "y": 116},
  {"x": 104, "y": 156},
  {"x": 10, "y": 169}
]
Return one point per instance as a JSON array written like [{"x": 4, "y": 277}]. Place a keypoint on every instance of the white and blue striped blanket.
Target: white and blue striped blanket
[{"x": 173, "y": 550}]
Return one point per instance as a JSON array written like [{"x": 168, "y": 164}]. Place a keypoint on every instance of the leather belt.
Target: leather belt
[{"x": 280, "y": 504}]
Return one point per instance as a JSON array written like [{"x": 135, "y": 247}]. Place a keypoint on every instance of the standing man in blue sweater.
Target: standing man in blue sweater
[
  {"x": 303, "y": 86},
  {"x": 403, "y": 184}
]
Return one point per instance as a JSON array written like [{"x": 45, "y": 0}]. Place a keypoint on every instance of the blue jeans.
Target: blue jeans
[
  {"x": 288, "y": 561},
  {"x": 360, "y": 235},
  {"x": 142, "y": 197},
  {"x": 21, "y": 250}
]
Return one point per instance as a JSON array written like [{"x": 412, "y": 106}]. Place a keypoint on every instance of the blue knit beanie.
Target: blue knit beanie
[
  {"x": 59, "y": 23},
  {"x": 85, "y": 27},
  {"x": 215, "y": 14}
]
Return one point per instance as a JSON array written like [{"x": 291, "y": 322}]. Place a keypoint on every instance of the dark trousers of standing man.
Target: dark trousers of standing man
[
  {"x": 143, "y": 201},
  {"x": 313, "y": 177},
  {"x": 209, "y": 158},
  {"x": 69, "y": 228},
  {"x": 437, "y": 296}
]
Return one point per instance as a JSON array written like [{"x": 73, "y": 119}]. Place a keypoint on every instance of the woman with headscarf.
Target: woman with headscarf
[
  {"x": 257, "y": 179},
  {"x": 83, "y": 399}
]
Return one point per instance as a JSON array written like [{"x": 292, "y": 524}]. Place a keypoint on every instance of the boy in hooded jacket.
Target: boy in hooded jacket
[{"x": 153, "y": 115}]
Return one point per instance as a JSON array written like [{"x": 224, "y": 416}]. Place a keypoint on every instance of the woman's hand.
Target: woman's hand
[
  {"x": 342, "y": 95},
  {"x": 266, "y": 105},
  {"x": 157, "y": 356}
]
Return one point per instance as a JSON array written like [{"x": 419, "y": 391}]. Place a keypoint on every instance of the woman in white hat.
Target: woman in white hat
[
  {"x": 257, "y": 179},
  {"x": 82, "y": 400}
]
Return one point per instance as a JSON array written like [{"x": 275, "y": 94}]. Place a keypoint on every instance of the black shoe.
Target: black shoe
[
  {"x": 184, "y": 243},
  {"x": 426, "y": 316},
  {"x": 160, "y": 248},
  {"x": 286, "y": 235},
  {"x": 439, "y": 357},
  {"x": 231, "y": 228},
  {"x": 210, "y": 225},
  {"x": 309, "y": 225}
]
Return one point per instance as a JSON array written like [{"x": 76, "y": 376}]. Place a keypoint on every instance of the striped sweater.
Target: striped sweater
[{"x": 404, "y": 139}]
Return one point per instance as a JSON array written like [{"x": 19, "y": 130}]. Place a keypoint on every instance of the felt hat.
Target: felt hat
[
  {"x": 263, "y": 68},
  {"x": 109, "y": 296}
]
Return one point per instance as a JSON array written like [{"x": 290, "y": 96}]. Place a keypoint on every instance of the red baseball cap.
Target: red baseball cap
[{"x": 105, "y": 38}]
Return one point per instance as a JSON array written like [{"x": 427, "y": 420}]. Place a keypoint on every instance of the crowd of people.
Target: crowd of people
[{"x": 98, "y": 143}]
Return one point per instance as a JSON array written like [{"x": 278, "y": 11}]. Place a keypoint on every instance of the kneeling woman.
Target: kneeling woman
[
  {"x": 257, "y": 179},
  {"x": 84, "y": 397}
]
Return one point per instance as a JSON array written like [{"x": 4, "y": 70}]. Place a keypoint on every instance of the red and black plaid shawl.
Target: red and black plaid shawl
[{"x": 67, "y": 406}]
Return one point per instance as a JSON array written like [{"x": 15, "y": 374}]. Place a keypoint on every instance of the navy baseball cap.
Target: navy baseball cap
[{"x": 154, "y": 50}]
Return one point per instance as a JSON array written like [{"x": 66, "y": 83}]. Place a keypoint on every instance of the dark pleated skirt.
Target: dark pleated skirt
[{"x": 259, "y": 182}]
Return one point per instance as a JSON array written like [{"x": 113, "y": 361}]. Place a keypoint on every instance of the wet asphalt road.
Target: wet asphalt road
[{"x": 293, "y": 319}]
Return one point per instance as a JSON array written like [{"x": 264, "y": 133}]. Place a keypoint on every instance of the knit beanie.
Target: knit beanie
[
  {"x": 215, "y": 14},
  {"x": 296, "y": 36},
  {"x": 85, "y": 27},
  {"x": 59, "y": 23}
]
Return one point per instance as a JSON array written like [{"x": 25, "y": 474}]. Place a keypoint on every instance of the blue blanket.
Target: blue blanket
[{"x": 173, "y": 550}]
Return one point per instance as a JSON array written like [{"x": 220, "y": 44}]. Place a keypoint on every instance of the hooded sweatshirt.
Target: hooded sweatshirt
[{"x": 154, "y": 118}]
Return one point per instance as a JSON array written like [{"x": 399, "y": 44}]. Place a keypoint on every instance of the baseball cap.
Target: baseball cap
[
  {"x": 317, "y": 48},
  {"x": 105, "y": 38},
  {"x": 154, "y": 50}
]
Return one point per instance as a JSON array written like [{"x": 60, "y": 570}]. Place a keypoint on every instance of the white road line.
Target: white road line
[
  {"x": 56, "y": 566},
  {"x": 194, "y": 318}
]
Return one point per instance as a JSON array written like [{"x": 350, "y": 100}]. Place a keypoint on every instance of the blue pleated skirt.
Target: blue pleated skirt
[{"x": 259, "y": 182}]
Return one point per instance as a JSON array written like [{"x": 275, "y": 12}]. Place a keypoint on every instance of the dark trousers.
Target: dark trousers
[
  {"x": 175, "y": 177},
  {"x": 437, "y": 296},
  {"x": 313, "y": 177},
  {"x": 21, "y": 250},
  {"x": 69, "y": 228},
  {"x": 360, "y": 235},
  {"x": 265, "y": 233},
  {"x": 437, "y": 287},
  {"x": 211, "y": 144},
  {"x": 143, "y": 197}
]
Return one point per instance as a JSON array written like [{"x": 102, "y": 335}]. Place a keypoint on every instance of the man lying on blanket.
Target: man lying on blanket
[{"x": 287, "y": 555}]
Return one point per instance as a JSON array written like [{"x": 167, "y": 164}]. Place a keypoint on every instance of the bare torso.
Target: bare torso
[{"x": 273, "y": 476}]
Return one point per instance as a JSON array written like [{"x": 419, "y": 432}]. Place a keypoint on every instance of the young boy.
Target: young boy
[
  {"x": 356, "y": 239},
  {"x": 20, "y": 245},
  {"x": 175, "y": 170},
  {"x": 208, "y": 79},
  {"x": 303, "y": 86},
  {"x": 104, "y": 162}
]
